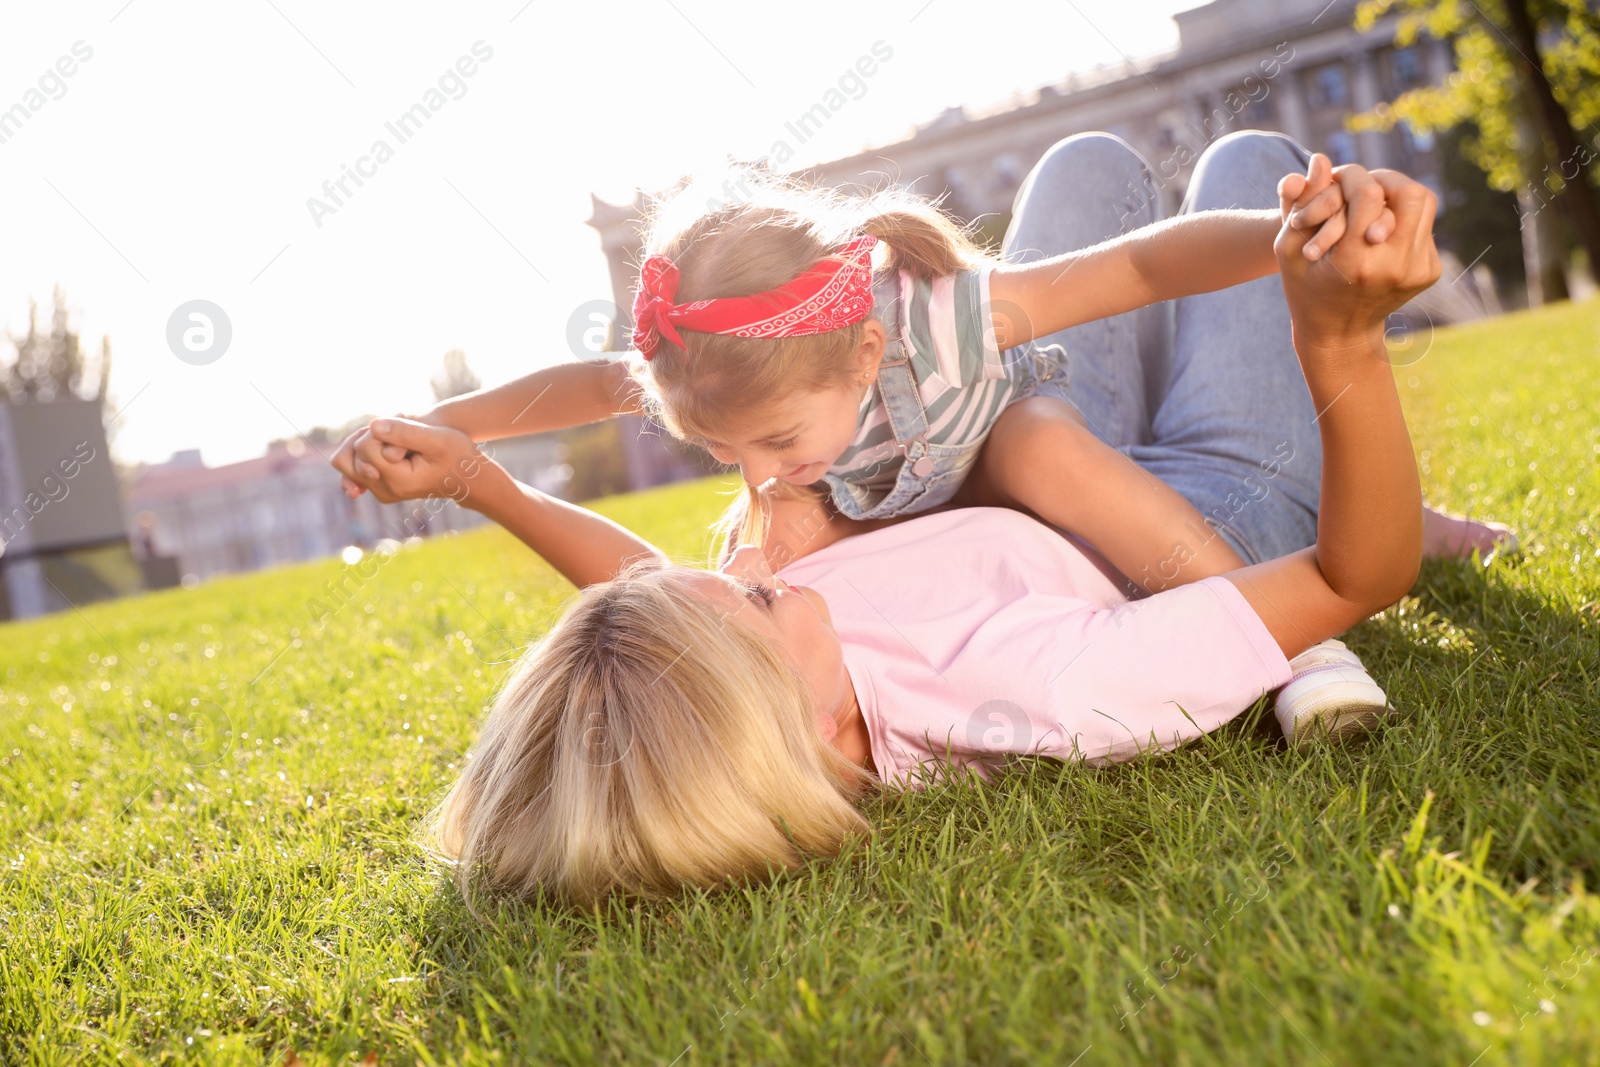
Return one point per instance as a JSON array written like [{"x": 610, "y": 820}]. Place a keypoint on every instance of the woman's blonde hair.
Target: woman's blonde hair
[
  {"x": 648, "y": 742},
  {"x": 755, "y": 233}
]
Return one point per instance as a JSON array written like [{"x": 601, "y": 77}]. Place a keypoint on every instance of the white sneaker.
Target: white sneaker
[{"x": 1331, "y": 695}]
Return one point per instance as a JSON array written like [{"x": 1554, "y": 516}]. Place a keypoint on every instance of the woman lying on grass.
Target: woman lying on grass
[{"x": 680, "y": 726}]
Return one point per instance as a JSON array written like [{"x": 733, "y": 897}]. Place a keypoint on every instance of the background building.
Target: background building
[
  {"x": 287, "y": 506},
  {"x": 62, "y": 539},
  {"x": 1295, "y": 66}
]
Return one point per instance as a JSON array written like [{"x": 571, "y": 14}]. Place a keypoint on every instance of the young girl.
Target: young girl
[
  {"x": 766, "y": 335},
  {"x": 662, "y": 733}
]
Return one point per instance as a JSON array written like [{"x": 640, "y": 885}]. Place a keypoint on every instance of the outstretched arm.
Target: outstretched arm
[
  {"x": 585, "y": 547},
  {"x": 568, "y": 394},
  {"x": 1369, "y": 524},
  {"x": 1194, "y": 253},
  {"x": 1175, "y": 257}
]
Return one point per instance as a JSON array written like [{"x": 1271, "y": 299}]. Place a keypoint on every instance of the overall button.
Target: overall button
[{"x": 923, "y": 467}]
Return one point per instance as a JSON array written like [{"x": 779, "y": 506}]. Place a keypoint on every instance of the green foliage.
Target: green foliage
[
  {"x": 208, "y": 799},
  {"x": 1484, "y": 88}
]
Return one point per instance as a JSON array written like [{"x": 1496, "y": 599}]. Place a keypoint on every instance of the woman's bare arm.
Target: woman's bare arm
[{"x": 1369, "y": 527}]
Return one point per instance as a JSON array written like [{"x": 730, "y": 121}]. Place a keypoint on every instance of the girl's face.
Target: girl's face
[
  {"x": 795, "y": 438},
  {"x": 793, "y": 619}
]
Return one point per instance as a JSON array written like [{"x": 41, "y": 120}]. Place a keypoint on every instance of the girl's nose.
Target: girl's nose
[
  {"x": 749, "y": 562},
  {"x": 758, "y": 472}
]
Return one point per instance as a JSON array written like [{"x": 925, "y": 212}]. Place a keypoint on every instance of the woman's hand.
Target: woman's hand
[
  {"x": 1315, "y": 201},
  {"x": 407, "y": 459},
  {"x": 1343, "y": 298}
]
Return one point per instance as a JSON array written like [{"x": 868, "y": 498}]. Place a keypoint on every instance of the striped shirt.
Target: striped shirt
[{"x": 963, "y": 379}]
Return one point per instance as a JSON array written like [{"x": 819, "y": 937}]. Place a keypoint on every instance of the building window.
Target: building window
[
  {"x": 1407, "y": 67},
  {"x": 1328, "y": 88},
  {"x": 1259, "y": 111},
  {"x": 1341, "y": 147}
]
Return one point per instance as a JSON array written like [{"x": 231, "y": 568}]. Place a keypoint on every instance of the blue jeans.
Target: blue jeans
[{"x": 1204, "y": 392}]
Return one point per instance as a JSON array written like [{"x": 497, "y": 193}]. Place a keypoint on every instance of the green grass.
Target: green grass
[{"x": 209, "y": 860}]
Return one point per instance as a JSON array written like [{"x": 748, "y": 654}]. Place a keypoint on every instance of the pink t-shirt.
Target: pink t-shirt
[{"x": 980, "y": 632}]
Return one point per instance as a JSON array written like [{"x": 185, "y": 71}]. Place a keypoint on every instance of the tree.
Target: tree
[
  {"x": 1528, "y": 78},
  {"x": 53, "y": 366},
  {"x": 455, "y": 378},
  {"x": 1480, "y": 224}
]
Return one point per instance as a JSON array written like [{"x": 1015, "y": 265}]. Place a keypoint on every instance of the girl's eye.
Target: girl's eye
[{"x": 784, "y": 446}]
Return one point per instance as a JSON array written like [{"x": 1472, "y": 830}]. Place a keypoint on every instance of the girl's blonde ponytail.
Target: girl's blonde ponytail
[{"x": 921, "y": 239}]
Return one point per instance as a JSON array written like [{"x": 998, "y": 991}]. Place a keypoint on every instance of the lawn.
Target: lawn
[{"x": 208, "y": 797}]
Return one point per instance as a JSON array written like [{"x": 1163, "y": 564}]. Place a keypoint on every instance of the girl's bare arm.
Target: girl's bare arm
[
  {"x": 1175, "y": 257},
  {"x": 570, "y": 394},
  {"x": 1196, "y": 253},
  {"x": 584, "y": 546}
]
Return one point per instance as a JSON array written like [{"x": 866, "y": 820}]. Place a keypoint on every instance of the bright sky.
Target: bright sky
[{"x": 176, "y": 161}]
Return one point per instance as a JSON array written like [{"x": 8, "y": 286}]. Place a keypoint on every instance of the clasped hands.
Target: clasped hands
[
  {"x": 1354, "y": 246},
  {"x": 407, "y": 458}
]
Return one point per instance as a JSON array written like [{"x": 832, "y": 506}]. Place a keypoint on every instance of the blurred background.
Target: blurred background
[{"x": 233, "y": 233}]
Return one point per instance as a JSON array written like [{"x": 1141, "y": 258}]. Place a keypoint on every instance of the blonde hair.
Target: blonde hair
[
  {"x": 649, "y": 742},
  {"x": 769, "y": 234},
  {"x": 747, "y": 520}
]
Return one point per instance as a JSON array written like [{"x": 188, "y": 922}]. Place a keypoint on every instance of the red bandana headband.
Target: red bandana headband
[{"x": 833, "y": 293}]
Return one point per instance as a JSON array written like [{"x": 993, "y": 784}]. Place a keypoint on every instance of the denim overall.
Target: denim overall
[{"x": 930, "y": 473}]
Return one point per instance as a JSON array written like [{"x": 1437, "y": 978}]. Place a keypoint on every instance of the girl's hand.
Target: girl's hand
[
  {"x": 343, "y": 461},
  {"x": 1342, "y": 301},
  {"x": 406, "y": 459},
  {"x": 1316, "y": 201},
  {"x": 344, "y": 458},
  {"x": 1374, "y": 217}
]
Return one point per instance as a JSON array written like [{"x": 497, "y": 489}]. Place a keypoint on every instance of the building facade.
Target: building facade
[
  {"x": 1295, "y": 66},
  {"x": 286, "y": 506},
  {"x": 62, "y": 538}
]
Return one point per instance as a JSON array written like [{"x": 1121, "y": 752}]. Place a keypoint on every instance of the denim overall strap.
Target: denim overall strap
[{"x": 902, "y": 400}]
